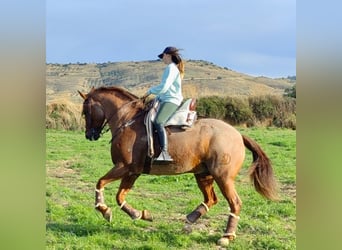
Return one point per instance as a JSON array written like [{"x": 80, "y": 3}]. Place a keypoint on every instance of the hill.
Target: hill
[{"x": 201, "y": 79}]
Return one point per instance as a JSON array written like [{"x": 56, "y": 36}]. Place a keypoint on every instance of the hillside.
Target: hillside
[{"x": 201, "y": 79}]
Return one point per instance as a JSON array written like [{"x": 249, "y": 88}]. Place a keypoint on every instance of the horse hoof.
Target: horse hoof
[
  {"x": 146, "y": 215},
  {"x": 187, "y": 228},
  {"x": 193, "y": 217},
  {"x": 108, "y": 215},
  {"x": 223, "y": 242}
]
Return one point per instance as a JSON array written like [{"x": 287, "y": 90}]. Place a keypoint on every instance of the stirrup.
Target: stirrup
[{"x": 164, "y": 156}]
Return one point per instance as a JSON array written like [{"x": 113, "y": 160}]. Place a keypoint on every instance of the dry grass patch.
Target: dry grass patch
[{"x": 64, "y": 114}]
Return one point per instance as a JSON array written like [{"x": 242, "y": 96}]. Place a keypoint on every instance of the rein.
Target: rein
[
  {"x": 125, "y": 125},
  {"x": 122, "y": 126}
]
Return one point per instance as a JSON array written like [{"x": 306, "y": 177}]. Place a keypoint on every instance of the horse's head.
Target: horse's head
[{"x": 94, "y": 117}]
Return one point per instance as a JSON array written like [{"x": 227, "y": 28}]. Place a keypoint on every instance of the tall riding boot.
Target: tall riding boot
[{"x": 164, "y": 155}]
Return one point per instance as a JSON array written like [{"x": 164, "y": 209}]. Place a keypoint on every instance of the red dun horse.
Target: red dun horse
[{"x": 211, "y": 149}]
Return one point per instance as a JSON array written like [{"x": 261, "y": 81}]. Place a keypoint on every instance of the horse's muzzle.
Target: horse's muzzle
[{"x": 92, "y": 134}]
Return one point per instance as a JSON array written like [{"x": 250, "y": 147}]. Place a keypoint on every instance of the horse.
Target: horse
[{"x": 211, "y": 149}]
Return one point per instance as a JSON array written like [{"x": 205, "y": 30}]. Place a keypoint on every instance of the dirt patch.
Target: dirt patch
[
  {"x": 63, "y": 170},
  {"x": 289, "y": 190}
]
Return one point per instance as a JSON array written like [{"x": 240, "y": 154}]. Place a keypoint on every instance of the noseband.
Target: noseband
[{"x": 88, "y": 103}]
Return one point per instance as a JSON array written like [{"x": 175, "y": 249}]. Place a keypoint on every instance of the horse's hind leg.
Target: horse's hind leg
[
  {"x": 115, "y": 173},
  {"x": 228, "y": 190},
  {"x": 205, "y": 184},
  {"x": 126, "y": 185}
]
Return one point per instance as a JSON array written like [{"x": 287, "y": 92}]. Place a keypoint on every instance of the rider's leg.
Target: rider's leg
[{"x": 164, "y": 113}]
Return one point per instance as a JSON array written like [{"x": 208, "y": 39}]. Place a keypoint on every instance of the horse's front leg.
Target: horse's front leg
[
  {"x": 115, "y": 173},
  {"x": 126, "y": 185}
]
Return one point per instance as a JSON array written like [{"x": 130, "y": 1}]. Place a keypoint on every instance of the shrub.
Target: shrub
[
  {"x": 253, "y": 111},
  {"x": 238, "y": 111},
  {"x": 263, "y": 107},
  {"x": 274, "y": 110},
  {"x": 212, "y": 106},
  {"x": 286, "y": 114}
]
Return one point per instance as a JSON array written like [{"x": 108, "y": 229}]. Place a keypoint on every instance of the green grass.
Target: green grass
[{"x": 73, "y": 166}]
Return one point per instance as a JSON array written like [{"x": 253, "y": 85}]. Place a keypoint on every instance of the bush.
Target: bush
[
  {"x": 263, "y": 107},
  {"x": 274, "y": 110},
  {"x": 253, "y": 111},
  {"x": 286, "y": 114},
  {"x": 238, "y": 111},
  {"x": 213, "y": 107}
]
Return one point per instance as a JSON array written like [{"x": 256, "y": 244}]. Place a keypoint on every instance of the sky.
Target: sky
[{"x": 252, "y": 37}]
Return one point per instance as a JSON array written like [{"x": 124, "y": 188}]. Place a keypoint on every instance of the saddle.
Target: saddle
[{"x": 184, "y": 117}]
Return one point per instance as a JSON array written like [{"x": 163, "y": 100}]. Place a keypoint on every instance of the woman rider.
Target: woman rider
[{"x": 169, "y": 94}]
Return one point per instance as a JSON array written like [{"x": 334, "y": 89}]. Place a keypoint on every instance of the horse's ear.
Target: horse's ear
[{"x": 84, "y": 96}]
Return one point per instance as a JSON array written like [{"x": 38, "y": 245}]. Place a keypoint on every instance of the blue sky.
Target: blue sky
[{"x": 253, "y": 37}]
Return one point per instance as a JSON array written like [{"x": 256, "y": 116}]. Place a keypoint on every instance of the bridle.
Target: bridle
[
  {"x": 125, "y": 125},
  {"x": 88, "y": 117},
  {"x": 120, "y": 128}
]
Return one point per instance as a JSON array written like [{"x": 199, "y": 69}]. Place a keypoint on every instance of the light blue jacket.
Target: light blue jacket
[{"x": 170, "y": 87}]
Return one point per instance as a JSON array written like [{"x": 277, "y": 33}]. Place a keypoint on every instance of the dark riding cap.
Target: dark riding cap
[
  {"x": 173, "y": 52},
  {"x": 168, "y": 50}
]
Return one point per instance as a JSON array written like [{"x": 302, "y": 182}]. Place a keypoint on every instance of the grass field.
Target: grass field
[{"x": 73, "y": 166}]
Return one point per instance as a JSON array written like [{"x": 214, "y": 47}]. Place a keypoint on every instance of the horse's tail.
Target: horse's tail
[{"x": 261, "y": 172}]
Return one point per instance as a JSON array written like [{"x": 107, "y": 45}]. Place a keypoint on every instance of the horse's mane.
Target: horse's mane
[{"x": 116, "y": 89}]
